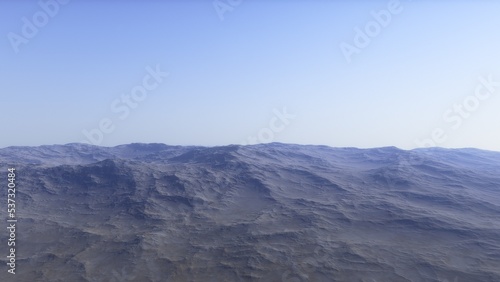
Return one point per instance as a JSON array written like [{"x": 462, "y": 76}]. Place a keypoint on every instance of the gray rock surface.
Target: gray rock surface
[{"x": 273, "y": 212}]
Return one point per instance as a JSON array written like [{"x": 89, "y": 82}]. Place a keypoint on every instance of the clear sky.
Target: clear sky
[{"x": 338, "y": 73}]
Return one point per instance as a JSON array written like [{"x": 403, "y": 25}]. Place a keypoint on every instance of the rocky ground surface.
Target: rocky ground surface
[{"x": 273, "y": 212}]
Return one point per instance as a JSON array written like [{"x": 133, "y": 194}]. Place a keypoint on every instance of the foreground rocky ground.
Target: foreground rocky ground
[{"x": 275, "y": 212}]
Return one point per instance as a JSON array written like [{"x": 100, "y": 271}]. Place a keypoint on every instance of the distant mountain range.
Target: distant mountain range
[{"x": 270, "y": 212}]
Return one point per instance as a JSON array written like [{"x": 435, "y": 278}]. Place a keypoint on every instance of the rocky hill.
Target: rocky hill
[{"x": 273, "y": 212}]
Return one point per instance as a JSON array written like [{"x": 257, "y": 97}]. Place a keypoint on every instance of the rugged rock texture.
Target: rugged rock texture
[{"x": 274, "y": 212}]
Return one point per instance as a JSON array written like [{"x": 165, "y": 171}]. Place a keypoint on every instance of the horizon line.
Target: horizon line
[{"x": 252, "y": 145}]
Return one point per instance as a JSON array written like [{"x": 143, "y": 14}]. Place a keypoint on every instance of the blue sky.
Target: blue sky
[{"x": 418, "y": 81}]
